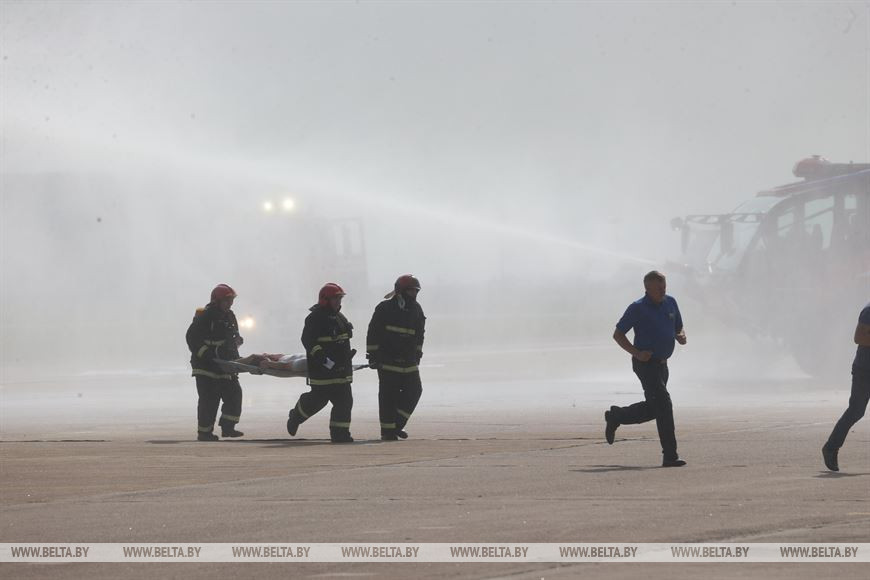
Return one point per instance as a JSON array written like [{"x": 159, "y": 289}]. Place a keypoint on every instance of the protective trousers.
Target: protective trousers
[
  {"x": 857, "y": 406},
  {"x": 211, "y": 391},
  {"x": 341, "y": 397},
  {"x": 653, "y": 376},
  {"x": 398, "y": 396}
]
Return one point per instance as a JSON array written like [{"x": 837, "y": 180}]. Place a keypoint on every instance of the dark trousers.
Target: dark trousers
[
  {"x": 341, "y": 397},
  {"x": 211, "y": 392},
  {"x": 857, "y": 406},
  {"x": 398, "y": 396},
  {"x": 653, "y": 376}
]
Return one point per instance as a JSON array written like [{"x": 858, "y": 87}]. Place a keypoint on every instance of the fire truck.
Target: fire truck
[{"x": 791, "y": 263}]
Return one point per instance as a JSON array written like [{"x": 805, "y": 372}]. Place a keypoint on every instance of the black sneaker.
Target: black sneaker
[
  {"x": 293, "y": 424},
  {"x": 231, "y": 433},
  {"x": 207, "y": 437},
  {"x": 401, "y": 434},
  {"x": 829, "y": 454},
  {"x": 673, "y": 463},
  {"x": 611, "y": 425}
]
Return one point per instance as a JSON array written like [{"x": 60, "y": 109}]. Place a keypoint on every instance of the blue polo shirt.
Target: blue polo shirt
[
  {"x": 862, "y": 357},
  {"x": 655, "y": 325}
]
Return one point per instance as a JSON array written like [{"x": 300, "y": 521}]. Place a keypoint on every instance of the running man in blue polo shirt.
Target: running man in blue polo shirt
[
  {"x": 860, "y": 392},
  {"x": 656, "y": 321}
]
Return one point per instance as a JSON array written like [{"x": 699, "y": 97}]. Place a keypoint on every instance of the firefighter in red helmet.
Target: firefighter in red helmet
[
  {"x": 214, "y": 334},
  {"x": 394, "y": 346},
  {"x": 326, "y": 338}
]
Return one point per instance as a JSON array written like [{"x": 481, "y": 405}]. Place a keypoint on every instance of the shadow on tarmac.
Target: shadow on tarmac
[
  {"x": 837, "y": 475},
  {"x": 608, "y": 468},
  {"x": 269, "y": 442},
  {"x": 56, "y": 441}
]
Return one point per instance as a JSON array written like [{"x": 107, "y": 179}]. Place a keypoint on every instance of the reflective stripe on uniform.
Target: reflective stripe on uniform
[
  {"x": 388, "y": 425},
  {"x": 229, "y": 418},
  {"x": 401, "y": 329},
  {"x": 214, "y": 342},
  {"x": 343, "y": 336},
  {"x": 201, "y": 350},
  {"x": 419, "y": 348},
  {"x": 338, "y": 381},
  {"x": 404, "y": 414},
  {"x": 315, "y": 349},
  {"x": 372, "y": 347},
  {"x": 205, "y": 373},
  {"x": 395, "y": 369},
  {"x": 339, "y": 424},
  {"x": 202, "y": 429},
  {"x": 301, "y": 412}
]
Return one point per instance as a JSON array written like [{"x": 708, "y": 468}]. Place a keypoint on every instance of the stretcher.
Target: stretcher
[{"x": 299, "y": 370}]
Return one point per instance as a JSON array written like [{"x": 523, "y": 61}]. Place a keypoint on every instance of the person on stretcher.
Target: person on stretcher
[
  {"x": 276, "y": 365},
  {"x": 295, "y": 363}
]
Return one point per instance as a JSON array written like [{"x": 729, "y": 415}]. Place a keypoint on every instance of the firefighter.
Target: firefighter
[
  {"x": 394, "y": 346},
  {"x": 326, "y": 338},
  {"x": 214, "y": 334}
]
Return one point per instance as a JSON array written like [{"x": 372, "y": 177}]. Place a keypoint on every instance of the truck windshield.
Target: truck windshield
[{"x": 736, "y": 231}]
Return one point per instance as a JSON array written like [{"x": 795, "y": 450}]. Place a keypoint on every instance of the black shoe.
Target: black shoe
[
  {"x": 207, "y": 437},
  {"x": 673, "y": 463},
  {"x": 345, "y": 438},
  {"x": 829, "y": 454},
  {"x": 231, "y": 433},
  {"x": 389, "y": 435},
  {"x": 401, "y": 434},
  {"x": 293, "y": 423},
  {"x": 610, "y": 428}
]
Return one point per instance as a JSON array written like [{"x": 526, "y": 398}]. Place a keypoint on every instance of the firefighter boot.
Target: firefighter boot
[
  {"x": 340, "y": 435},
  {"x": 293, "y": 422},
  {"x": 202, "y": 436}
]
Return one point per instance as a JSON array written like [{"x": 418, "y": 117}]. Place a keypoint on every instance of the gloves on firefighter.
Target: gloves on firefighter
[{"x": 318, "y": 356}]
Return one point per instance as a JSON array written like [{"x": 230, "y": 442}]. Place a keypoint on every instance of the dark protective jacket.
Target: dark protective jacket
[
  {"x": 212, "y": 334},
  {"x": 395, "y": 336},
  {"x": 326, "y": 337}
]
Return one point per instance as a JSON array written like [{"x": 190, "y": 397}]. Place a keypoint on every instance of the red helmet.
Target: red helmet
[
  {"x": 404, "y": 282},
  {"x": 330, "y": 290},
  {"x": 407, "y": 282},
  {"x": 222, "y": 291}
]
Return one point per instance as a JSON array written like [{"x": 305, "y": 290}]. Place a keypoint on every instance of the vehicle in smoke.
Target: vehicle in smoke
[
  {"x": 792, "y": 263},
  {"x": 131, "y": 253}
]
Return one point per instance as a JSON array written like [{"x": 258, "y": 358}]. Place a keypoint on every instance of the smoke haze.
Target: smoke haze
[{"x": 523, "y": 159}]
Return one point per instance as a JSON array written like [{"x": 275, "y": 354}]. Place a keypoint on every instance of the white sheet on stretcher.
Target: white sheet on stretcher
[{"x": 299, "y": 366}]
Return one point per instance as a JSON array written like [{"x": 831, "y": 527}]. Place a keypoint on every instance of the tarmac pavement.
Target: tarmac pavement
[{"x": 83, "y": 460}]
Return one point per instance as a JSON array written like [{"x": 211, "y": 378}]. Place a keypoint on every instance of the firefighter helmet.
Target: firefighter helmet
[
  {"x": 330, "y": 290},
  {"x": 404, "y": 282},
  {"x": 222, "y": 291}
]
